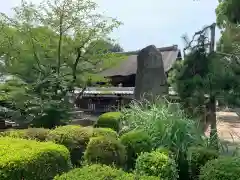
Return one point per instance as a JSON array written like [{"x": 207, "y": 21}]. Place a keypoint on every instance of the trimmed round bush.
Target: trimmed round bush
[
  {"x": 109, "y": 120},
  {"x": 38, "y": 134},
  {"x": 198, "y": 157},
  {"x": 225, "y": 168},
  {"x": 136, "y": 142},
  {"x": 101, "y": 172},
  {"x": 157, "y": 164},
  {"x": 75, "y": 138},
  {"x": 107, "y": 132},
  {"x": 32, "y": 160},
  {"x": 105, "y": 150}
]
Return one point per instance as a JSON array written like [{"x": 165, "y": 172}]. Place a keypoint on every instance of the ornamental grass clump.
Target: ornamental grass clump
[{"x": 167, "y": 127}]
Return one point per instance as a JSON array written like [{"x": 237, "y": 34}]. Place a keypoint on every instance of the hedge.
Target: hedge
[
  {"x": 158, "y": 164},
  {"x": 75, "y": 138},
  {"x": 198, "y": 157},
  {"x": 105, "y": 150},
  {"x": 39, "y": 134},
  {"x": 101, "y": 172},
  {"x": 32, "y": 160},
  {"x": 225, "y": 168},
  {"x": 107, "y": 132},
  {"x": 136, "y": 142},
  {"x": 109, "y": 120}
]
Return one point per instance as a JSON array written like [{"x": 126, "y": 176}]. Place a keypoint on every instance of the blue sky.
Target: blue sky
[{"x": 158, "y": 22}]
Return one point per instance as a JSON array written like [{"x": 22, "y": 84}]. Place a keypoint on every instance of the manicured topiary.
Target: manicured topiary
[
  {"x": 39, "y": 134},
  {"x": 109, "y": 120},
  {"x": 75, "y": 138},
  {"x": 105, "y": 150},
  {"x": 14, "y": 134},
  {"x": 198, "y": 157},
  {"x": 100, "y": 172},
  {"x": 136, "y": 142},
  {"x": 107, "y": 132},
  {"x": 225, "y": 168},
  {"x": 31, "y": 160},
  {"x": 158, "y": 164}
]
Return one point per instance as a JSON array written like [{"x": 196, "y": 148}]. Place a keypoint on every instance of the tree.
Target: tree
[
  {"x": 46, "y": 46},
  {"x": 228, "y": 19},
  {"x": 228, "y": 12},
  {"x": 203, "y": 74},
  {"x": 106, "y": 46}
]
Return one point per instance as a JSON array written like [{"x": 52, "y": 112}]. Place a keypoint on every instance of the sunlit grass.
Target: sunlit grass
[{"x": 168, "y": 127}]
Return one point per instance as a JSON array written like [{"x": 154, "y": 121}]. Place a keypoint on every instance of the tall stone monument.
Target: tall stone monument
[{"x": 151, "y": 80}]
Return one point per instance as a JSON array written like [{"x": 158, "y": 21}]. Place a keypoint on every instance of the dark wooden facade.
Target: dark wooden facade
[
  {"x": 97, "y": 102},
  {"x": 122, "y": 79}
]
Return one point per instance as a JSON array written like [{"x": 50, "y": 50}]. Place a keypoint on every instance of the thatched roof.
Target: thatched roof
[{"x": 129, "y": 66}]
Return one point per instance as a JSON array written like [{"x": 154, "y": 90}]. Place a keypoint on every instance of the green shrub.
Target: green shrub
[
  {"x": 136, "y": 142},
  {"x": 101, "y": 172},
  {"x": 198, "y": 157},
  {"x": 107, "y": 132},
  {"x": 225, "y": 168},
  {"x": 109, "y": 120},
  {"x": 75, "y": 138},
  {"x": 39, "y": 134},
  {"x": 14, "y": 134},
  {"x": 105, "y": 150},
  {"x": 158, "y": 164},
  {"x": 168, "y": 127},
  {"x": 31, "y": 160}
]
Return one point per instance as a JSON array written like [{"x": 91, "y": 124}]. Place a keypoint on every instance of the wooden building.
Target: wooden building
[
  {"x": 122, "y": 79},
  {"x": 125, "y": 72}
]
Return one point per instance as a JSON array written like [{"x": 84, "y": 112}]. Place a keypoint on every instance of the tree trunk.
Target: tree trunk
[{"x": 212, "y": 118}]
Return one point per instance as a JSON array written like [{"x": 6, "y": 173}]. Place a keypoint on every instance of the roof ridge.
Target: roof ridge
[{"x": 174, "y": 47}]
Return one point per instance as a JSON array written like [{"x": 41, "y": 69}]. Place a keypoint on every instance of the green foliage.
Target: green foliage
[
  {"x": 31, "y": 160},
  {"x": 101, "y": 172},
  {"x": 110, "y": 60},
  {"x": 105, "y": 46},
  {"x": 226, "y": 168},
  {"x": 49, "y": 47},
  {"x": 109, "y": 120},
  {"x": 39, "y": 134},
  {"x": 75, "y": 138},
  {"x": 227, "y": 12},
  {"x": 167, "y": 128},
  {"x": 136, "y": 142},
  {"x": 157, "y": 164},
  {"x": 198, "y": 157},
  {"x": 106, "y": 132},
  {"x": 105, "y": 150}
]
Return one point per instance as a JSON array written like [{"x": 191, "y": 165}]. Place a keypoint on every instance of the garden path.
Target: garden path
[{"x": 228, "y": 125}]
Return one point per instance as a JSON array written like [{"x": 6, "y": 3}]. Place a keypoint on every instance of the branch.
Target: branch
[
  {"x": 197, "y": 33},
  {"x": 60, "y": 42},
  {"x": 79, "y": 55},
  {"x": 35, "y": 52}
]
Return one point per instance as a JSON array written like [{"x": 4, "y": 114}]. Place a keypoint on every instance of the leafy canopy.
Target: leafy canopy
[{"x": 49, "y": 48}]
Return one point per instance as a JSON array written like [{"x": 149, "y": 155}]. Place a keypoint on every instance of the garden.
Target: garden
[
  {"x": 148, "y": 141},
  {"x": 49, "y": 49}
]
